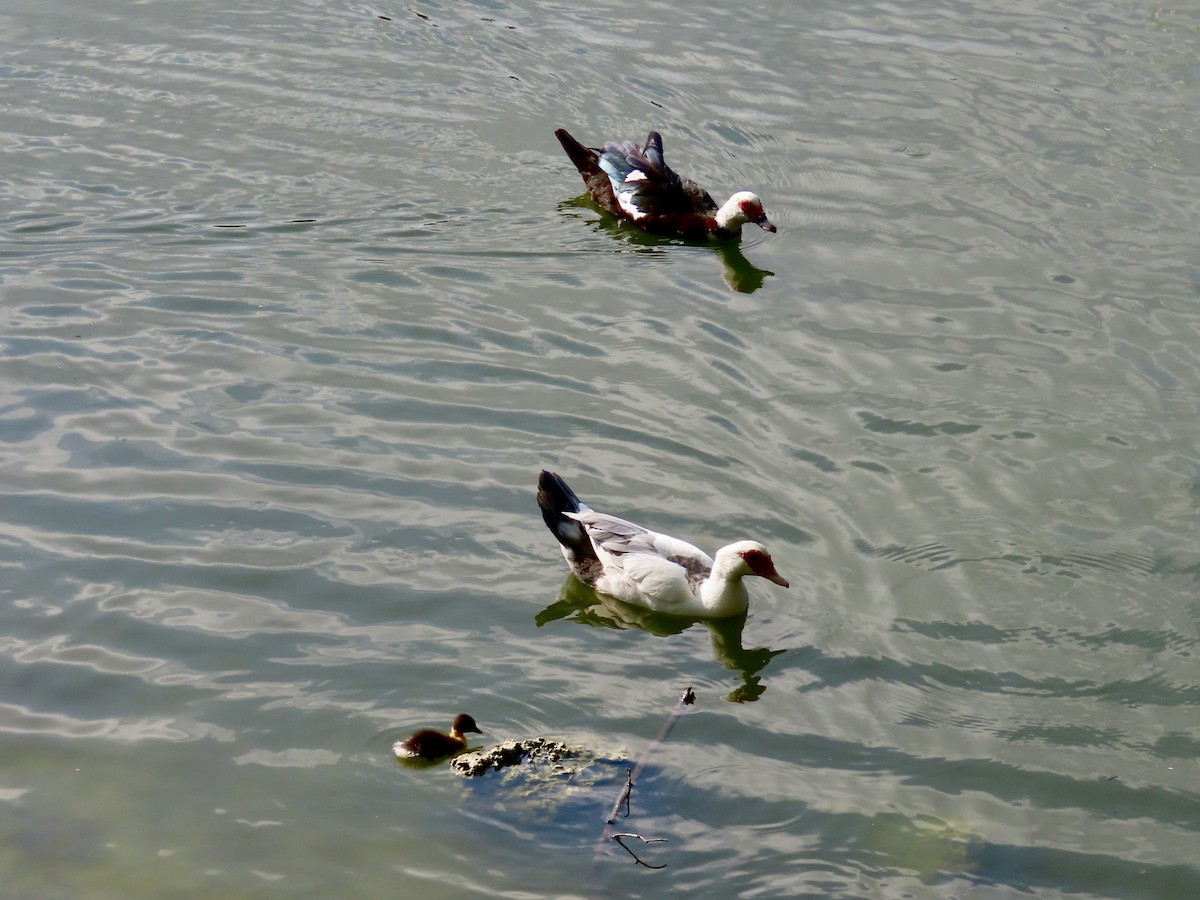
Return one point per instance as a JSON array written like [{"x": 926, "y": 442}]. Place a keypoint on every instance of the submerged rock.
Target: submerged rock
[{"x": 541, "y": 752}]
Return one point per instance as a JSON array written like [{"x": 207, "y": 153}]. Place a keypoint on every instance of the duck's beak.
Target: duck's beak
[
  {"x": 775, "y": 576},
  {"x": 765, "y": 224}
]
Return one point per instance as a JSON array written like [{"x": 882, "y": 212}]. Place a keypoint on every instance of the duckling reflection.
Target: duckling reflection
[{"x": 578, "y": 602}]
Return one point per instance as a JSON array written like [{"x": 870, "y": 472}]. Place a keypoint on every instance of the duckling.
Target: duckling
[{"x": 431, "y": 744}]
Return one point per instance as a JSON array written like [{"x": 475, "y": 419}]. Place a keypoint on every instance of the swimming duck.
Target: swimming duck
[
  {"x": 635, "y": 183},
  {"x": 648, "y": 569},
  {"x": 430, "y": 744}
]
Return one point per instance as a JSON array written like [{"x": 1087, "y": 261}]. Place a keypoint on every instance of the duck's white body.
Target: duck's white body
[{"x": 641, "y": 566}]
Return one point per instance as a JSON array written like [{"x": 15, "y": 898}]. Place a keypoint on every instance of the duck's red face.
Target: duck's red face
[
  {"x": 753, "y": 211},
  {"x": 760, "y": 563}
]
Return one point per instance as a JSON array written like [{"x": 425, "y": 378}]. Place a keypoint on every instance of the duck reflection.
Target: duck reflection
[
  {"x": 577, "y": 602},
  {"x": 739, "y": 273}
]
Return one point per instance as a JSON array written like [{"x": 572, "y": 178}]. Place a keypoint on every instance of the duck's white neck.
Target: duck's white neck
[
  {"x": 730, "y": 216},
  {"x": 723, "y": 593}
]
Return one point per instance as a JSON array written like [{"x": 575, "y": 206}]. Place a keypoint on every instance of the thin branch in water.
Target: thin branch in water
[
  {"x": 686, "y": 699},
  {"x": 624, "y": 798},
  {"x": 644, "y": 840}
]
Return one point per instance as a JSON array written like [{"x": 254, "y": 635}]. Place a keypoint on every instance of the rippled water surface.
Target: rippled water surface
[{"x": 298, "y": 299}]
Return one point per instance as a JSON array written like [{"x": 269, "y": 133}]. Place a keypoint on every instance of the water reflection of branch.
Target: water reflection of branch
[{"x": 579, "y": 603}]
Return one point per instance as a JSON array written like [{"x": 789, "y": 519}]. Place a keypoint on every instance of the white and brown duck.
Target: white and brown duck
[
  {"x": 646, "y": 568},
  {"x": 636, "y": 184}
]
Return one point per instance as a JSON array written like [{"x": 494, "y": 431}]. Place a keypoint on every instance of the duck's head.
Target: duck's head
[
  {"x": 757, "y": 561},
  {"x": 464, "y": 724},
  {"x": 743, "y": 207}
]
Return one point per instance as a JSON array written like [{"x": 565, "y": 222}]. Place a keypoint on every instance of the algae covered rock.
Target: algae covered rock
[{"x": 555, "y": 756}]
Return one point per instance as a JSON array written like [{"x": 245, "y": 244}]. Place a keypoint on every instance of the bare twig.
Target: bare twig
[
  {"x": 686, "y": 699},
  {"x": 644, "y": 840},
  {"x": 624, "y": 798}
]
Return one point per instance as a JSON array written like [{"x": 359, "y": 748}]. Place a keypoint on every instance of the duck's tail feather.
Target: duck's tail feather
[
  {"x": 586, "y": 160},
  {"x": 556, "y": 499}
]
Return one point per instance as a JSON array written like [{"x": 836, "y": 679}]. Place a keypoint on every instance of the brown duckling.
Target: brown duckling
[{"x": 430, "y": 744}]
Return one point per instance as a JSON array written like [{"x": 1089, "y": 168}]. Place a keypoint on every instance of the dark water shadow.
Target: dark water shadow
[
  {"x": 739, "y": 273},
  {"x": 577, "y": 602}
]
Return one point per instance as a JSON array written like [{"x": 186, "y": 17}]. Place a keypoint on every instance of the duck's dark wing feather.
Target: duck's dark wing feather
[
  {"x": 645, "y": 186},
  {"x": 597, "y": 180}
]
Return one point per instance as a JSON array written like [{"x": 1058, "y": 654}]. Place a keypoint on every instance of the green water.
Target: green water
[{"x": 298, "y": 300}]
